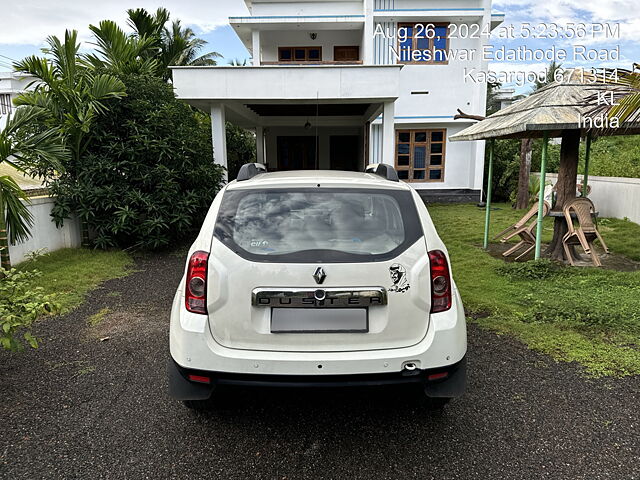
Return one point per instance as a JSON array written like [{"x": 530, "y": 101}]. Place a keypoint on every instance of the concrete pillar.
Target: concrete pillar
[
  {"x": 388, "y": 134},
  {"x": 367, "y": 33},
  {"x": 260, "y": 145},
  {"x": 255, "y": 45},
  {"x": 219, "y": 135}
]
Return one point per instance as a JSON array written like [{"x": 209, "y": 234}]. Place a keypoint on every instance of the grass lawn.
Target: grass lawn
[
  {"x": 73, "y": 272},
  {"x": 587, "y": 315}
]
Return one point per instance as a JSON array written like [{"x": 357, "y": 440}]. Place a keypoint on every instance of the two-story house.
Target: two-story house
[
  {"x": 344, "y": 83},
  {"x": 11, "y": 85}
]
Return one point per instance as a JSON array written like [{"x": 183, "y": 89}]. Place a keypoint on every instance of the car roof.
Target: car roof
[{"x": 311, "y": 178}]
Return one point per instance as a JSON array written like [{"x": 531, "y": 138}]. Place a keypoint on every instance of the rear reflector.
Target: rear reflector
[
  {"x": 438, "y": 376},
  {"x": 196, "y": 284},
  {"x": 440, "y": 282},
  {"x": 199, "y": 378}
]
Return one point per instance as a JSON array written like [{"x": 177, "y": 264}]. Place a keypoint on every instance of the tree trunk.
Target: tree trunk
[
  {"x": 5, "y": 260},
  {"x": 525, "y": 170},
  {"x": 565, "y": 188}
]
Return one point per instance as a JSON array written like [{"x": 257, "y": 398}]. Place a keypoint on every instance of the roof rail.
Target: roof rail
[
  {"x": 384, "y": 170},
  {"x": 250, "y": 170}
]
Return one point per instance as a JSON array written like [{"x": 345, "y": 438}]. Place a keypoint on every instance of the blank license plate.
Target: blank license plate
[{"x": 319, "y": 320}]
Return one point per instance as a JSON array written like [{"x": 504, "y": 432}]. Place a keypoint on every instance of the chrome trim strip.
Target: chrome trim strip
[{"x": 329, "y": 297}]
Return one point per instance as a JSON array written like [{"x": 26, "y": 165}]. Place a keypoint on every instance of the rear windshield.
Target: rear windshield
[{"x": 317, "y": 225}]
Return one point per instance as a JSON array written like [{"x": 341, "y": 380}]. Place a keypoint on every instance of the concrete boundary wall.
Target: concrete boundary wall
[
  {"x": 616, "y": 197},
  {"x": 44, "y": 233}
]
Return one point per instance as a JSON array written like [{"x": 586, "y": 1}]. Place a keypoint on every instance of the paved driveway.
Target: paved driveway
[{"x": 81, "y": 408}]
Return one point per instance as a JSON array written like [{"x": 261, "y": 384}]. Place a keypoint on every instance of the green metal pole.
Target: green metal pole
[
  {"x": 587, "y": 155},
  {"x": 543, "y": 174},
  {"x": 487, "y": 218}
]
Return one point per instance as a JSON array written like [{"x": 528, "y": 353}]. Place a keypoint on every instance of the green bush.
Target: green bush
[
  {"x": 506, "y": 161},
  {"x": 241, "y": 149},
  {"x": 614, "y": 157},
  {"x": 148, "y": 177},
  {"x": 20, "y": 305}
]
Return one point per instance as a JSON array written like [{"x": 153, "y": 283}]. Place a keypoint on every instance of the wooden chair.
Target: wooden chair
[
  {"x": 585, "y": 233},
  {"x": 526, "y": 231}
]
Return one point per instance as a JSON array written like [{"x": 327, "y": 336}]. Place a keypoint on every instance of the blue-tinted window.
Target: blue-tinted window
[
  {"x": 406, "y": 43},
  {"x": 420, "y": 155},
  {"x": 285, "y": 54},
  {"x": 428, "y": 45},
  {"x": 440, "y": 44},
  {"x": 403, "y": 149},
  {"x": 422, "y": 44}
]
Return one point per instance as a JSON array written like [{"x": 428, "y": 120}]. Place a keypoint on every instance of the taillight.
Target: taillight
[
  {"x": 440, "y": 282},
  {"x": 196, "y": 287}
]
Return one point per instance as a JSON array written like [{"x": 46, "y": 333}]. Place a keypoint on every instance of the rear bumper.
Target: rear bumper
[
  {"x": 193, "y": 347},
  {"x": 453, "y": 385}
]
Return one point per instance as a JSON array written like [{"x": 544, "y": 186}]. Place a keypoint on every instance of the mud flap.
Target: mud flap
[
  {"x": 182, "y": 389},
  {"x": 453, "y": 386}
]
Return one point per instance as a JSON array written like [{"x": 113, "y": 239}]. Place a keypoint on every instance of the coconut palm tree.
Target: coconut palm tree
[
  {"x": 72, "y": 92},
  {"x": 151, "y": 48},
  {"x": 69, "y": 88},
  {"x": 173, "y": 45},
  {"x": 152, "y": 40},
  {"x": 549, "y": 77},
  {"x": 40, "y": 149},
  {"x": 121, "y": 53},
  {"x": 626, "y": 104}
]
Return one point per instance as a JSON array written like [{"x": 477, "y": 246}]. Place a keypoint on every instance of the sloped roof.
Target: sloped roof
[{"x": 557, "y": 107}]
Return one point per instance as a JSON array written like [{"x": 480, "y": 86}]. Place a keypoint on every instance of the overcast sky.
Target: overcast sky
[{"x": 26, "y": 23}]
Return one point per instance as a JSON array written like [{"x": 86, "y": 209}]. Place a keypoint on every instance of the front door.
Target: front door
[
  {"x": 297, "y": 153},
  {"x": 343, "y": 152}
]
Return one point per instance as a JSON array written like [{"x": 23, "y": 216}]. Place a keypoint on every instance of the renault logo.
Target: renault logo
[{"x": 319, "y": 275}]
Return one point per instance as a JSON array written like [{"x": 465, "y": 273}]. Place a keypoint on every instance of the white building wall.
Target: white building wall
[
  {"x": 615, "y": 197},
  {"x": 461, "y": 158},
  {"x": 13, "y": 84},
  {"x": 445, "y": 83},
  {"x": 306, "y": 8},
  {"x": 429, "y": 94},
  {"x": 44, "y": 233}
]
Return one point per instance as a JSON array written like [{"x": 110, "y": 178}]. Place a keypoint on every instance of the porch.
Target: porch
[{"x": 304, "y": 116}]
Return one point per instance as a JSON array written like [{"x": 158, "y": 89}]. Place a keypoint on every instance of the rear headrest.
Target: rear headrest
[
  {"x": 250, "y": 170},
  {"x": 384, "y": 170}
]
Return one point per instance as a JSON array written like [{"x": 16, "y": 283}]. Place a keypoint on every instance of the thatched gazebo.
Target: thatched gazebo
[{"x": 564, "y": 110}]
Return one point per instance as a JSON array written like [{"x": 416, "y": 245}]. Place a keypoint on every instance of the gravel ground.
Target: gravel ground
[{"x": 83, "y": 408}]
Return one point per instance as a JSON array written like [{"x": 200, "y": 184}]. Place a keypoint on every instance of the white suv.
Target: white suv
[{"x": 317, "y": 278}]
